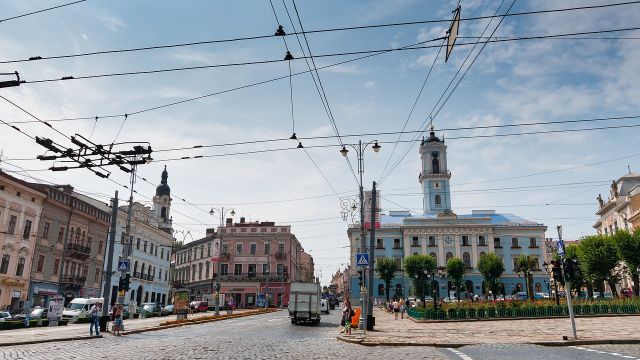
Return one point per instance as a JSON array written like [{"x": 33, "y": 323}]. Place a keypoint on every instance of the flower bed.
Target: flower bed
[{"x": 524, "y": 309}]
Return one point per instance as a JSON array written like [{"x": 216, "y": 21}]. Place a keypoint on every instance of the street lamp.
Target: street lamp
[
  {"x": 222, "y": 212},
  {"x": 363, "y": 241}
]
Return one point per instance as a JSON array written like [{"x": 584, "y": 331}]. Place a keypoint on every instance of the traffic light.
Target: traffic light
[
  {"x": 218, "y": 288},
  {"x": 571, "y": 269},
  {"x": 360, "y": 279},
  {"x": 556, "y": 270},
  {"x": 123, "y": 283}
]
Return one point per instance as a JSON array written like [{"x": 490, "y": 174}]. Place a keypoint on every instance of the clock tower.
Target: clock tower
[{"x": 435, "y": 176}]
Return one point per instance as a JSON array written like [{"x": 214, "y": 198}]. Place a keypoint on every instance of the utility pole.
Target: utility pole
[
  {"x": 567, "y": 287},
  {"x": 372, "y": 239},
  {"x": 127, "y": 240},
  {"x": 106, "y": 290}
]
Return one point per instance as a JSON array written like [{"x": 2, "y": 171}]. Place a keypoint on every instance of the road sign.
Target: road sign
[
  {"x": 362, "y": 259},
  {"x": 560, "y": 246},
  {"x": 123, "y": 265}
]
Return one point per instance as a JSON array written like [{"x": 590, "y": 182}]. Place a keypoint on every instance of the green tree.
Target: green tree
[
  {"x": 386, "y": 269},
  {"x": 417, "y": 267},
  {"x": 491, "y": 267},
  {"x": 571, "y": 252},
  {"x": 455, "y": 271},
  {"x": 526, "y": 264},
  {"x": 629, "y": 251},
  {"x": 598, "y": 258}
]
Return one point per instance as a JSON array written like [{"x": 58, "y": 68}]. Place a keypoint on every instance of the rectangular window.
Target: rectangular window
[
  {"x": 145, "y": 246},
  {"x": 97, "y": 274},
  {"x": 515, "y": 264},
  {"x": 27, "y": 229},
  {"x": 252, "y": 249},
  {"x": 4, "y": 266},
  {"x": 224, "y": 269},
  {"x": 432, "y": 240},
  {"x": 532, "y": 243},
  {"x": 138, "y": 244},
  {"x": 252, "y": 270},
  {"x": 465, "y": 240},
  {"x": 225, "y": 248},
  {"x": 267, "y": 249},
  {"x": 496, "y": 242},
  {"x": 40, "y": 263},
  {"x": 238, "y": 249},
  {"x": 45, "y": 230},
  {"x": 280, "y": 270},
  {"x": 398, "y": 262},
  {"x": 206, "y": 270},
  {"x": 208, "y": 250},
  {"x": 379, "y": 244},
  {"x": 514, "y": 243},
  {"x": 56, "y": 266},
  {"x": 12, "y": 224},
  {"x": 20, "y": 267},
  {"x": 481, "y": 240},
  {"x": 415, "y": 241},
  {"x": 201, "y": 251},
  {"x": 60, "y": 235},
  {"x": 396, "y": 243},
  {"x": 281, "y": 248},
  {"x": 265, "y": 269},
  {"x": 237, "y": 269}
]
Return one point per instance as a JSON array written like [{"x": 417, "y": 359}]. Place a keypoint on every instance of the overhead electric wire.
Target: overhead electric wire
[
  {"x": 432, "y": 115},
  {"x": 418, "y": 22},
  {"x": 39, "y": 11}
]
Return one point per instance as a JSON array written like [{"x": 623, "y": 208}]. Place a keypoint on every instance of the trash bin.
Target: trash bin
[{"x": 103, "y": 322}]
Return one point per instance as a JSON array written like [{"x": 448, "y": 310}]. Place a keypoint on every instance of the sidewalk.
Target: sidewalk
[
  {"x": 535, "y": 331},
  {"x": 69, "y": 332}
]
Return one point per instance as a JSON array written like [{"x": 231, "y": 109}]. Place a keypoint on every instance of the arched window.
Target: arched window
[
  {"x": 135, "y": 268},
  {"x": 438, "y": 201},
  {"x": 77, "y": 235},
  {"x": 466, "y": 257},
  {"x": 71, "y": 235},
  {"x": 432, "y": 254},
  {"x": 142, "y": 270},
  {"x": 449, "y": 256},
  {"x": 435, "y": 166},
  {"x": 538, "y": 287},
  {"x": 163, "y": 212}
]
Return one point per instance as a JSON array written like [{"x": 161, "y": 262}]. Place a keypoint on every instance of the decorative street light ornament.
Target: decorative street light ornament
[
  {"x": 280, "y": 31},
  {"x": 344, "y": 151},
  {"x": 376, "y": 147},
  {"x": 288, "y": 56}
]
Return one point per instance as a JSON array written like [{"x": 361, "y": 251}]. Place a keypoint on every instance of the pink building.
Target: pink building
[{"x": 256, "y": 257}]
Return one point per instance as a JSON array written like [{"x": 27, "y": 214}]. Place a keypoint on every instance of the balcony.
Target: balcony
[
  {"x": 415, "y": 245},
  {"x": 256, "y": 277},
  {"x": 224, "y": 256},
  {"x": 78, "y": 251},
  {"x": 281, "y": 256},
  {"x": 74, "y": 279},
  {"x": 146, "y": 277}
]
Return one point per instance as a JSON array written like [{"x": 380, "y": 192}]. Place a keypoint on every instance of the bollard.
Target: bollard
[{"x": 103, "y": 323}]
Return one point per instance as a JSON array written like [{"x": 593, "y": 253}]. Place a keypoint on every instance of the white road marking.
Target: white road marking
[
  {"x": 604, "y": 352},
  {"x": 462, "y": 355}
]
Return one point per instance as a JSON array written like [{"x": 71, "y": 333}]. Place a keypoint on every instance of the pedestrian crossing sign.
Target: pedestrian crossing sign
[{"x": 362, "y": 259}]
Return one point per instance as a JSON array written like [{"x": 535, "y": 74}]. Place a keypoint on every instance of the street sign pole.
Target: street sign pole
[{"x": 567, "y": 284}]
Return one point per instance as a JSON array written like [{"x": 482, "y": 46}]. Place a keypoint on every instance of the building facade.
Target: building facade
[
  {"x": 20, "y": 209},
  {"x": 255, "y": 258},
  {"x": 70, "y": 246},
  {"x": 443, "y": 234},
  {"x": 621, "y": 210}
]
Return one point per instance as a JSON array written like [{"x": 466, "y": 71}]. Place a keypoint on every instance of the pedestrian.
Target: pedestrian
[
  {"x": 117, "y": 322},
  {"x": 347, "y": 314},
  {"x": 402, "y": 308},
  {"x": 396, "y": 308},
  {"x": 94, "y": 317}
]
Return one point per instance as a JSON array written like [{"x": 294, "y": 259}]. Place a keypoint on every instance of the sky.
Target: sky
[{"x": 553, "y": 178}]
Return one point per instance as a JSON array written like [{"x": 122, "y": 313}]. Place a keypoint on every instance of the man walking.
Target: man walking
[{"x": 94, "y": 316}]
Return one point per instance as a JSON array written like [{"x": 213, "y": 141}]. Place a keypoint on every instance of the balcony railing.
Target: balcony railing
[
  {"x": 73, "y": 279},
  {"x": 256, "y": 277},
  {"x": 224, "y": 256},
  {"x": 78, "y": 251},
  {"x": 147, "y": 277},
  {"x": 281, "y": 255}
]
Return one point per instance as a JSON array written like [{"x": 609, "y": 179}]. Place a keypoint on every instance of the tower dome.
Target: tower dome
[{"x": 163, "y": 188}]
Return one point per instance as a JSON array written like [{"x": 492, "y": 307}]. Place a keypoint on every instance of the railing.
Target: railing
[
  {"x": 78, "y": 251},
  {"x": 256, "y": 277},
  {"x": 281, "y": 255},
  {"x": 224, "y": 256},
  {"x": 147, "y": 277},
  {"x": 73, "y": 279}
]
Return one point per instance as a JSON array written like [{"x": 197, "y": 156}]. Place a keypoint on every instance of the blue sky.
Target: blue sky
[{"x": 511, "y": 82}]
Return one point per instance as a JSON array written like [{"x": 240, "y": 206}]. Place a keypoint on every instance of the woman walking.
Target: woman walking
[
  {"x": 396, "y": 308},
  {"x": 347, "y": 313},
  {"x": 403, "y": 308},
  {"x": 117, "y": 319}
]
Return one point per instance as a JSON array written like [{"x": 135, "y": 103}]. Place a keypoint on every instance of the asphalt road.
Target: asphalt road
[{"x": 271, "y": 336}]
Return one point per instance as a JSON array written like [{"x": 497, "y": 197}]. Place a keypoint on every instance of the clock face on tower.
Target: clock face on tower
[{"x": 448, "y": 239}]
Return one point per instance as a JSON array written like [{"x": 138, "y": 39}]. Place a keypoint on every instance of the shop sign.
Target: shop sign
[
  {"x": 181, "y": 301},
  {"x": 12, "y": 282}
]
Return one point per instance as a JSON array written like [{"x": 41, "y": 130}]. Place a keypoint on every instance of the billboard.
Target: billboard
[{"x": 367, "y": 210}]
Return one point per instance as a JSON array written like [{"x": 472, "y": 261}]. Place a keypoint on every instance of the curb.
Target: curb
[
  {"x": 362, "y": 342},
  {"x": 138, "y": 331}
]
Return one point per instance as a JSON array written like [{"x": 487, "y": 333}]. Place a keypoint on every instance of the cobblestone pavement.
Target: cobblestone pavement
[
  {"x": 503, "y": 331},
  {"x": 268, "y": 336},
  {"x": 534, "y": 352}
]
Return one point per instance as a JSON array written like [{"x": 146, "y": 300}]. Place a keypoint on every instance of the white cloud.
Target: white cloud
[
  {"x": 370, "y": 84},
  {"x": 112, "y": 23}
]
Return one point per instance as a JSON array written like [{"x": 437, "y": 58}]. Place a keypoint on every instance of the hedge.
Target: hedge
[{"x": 10, "y": 325}]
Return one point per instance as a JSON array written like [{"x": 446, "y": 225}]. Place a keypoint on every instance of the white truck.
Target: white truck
[
  {"x": 79, "y": 308},
  {"x": 304, "y": 303}
]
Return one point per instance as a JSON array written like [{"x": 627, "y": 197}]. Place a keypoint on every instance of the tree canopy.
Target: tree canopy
[
  {"x": 598, "y": 257},
  {"x": 455, "y": 271},
  {"x": 386, "y": 269},
  {"x": 491, "y": 267},
  {"x": 417, "y": 268}
]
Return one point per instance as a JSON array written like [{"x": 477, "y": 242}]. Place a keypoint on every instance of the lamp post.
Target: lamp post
[
  {"x": 363, "y": 241},
  {"x": 222, "y": 212}
]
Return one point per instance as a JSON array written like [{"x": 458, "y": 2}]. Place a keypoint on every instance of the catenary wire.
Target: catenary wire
[{"x": 39, "y": 11}]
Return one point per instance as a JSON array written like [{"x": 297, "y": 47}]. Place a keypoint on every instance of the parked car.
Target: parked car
[
  {"x": 167, "y": 310},
  {"x": 79, "y": 308},
  {"x": 539, "y": 296},
  {"x": 5, "y": 316},
  {"x": 37, "y": 313},
  {"x": 324, "y": 306},
  {"x": 198, "y": 306},
  {"x": 520, "y": 296},
  {"x": 150, "y": 309}
]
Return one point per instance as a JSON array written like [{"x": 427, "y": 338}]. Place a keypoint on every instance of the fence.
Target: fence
[{"x": 523, "y": 312}]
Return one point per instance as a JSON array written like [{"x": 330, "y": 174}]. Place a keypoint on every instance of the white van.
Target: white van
[
  {"x": 324, "y": 306},
  {"x": 79, "y": 308}
]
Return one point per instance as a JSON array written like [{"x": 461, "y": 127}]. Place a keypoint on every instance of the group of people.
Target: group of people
[
  {"x": 117, "y": 314},
  {"x": 397, "y": 307}
]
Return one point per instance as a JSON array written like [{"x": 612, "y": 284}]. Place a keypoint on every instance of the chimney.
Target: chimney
[
  {"x": 211, "y": 231},
  {"x": 242, "y": 220},
  {"x": 229, "y": 222}
]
